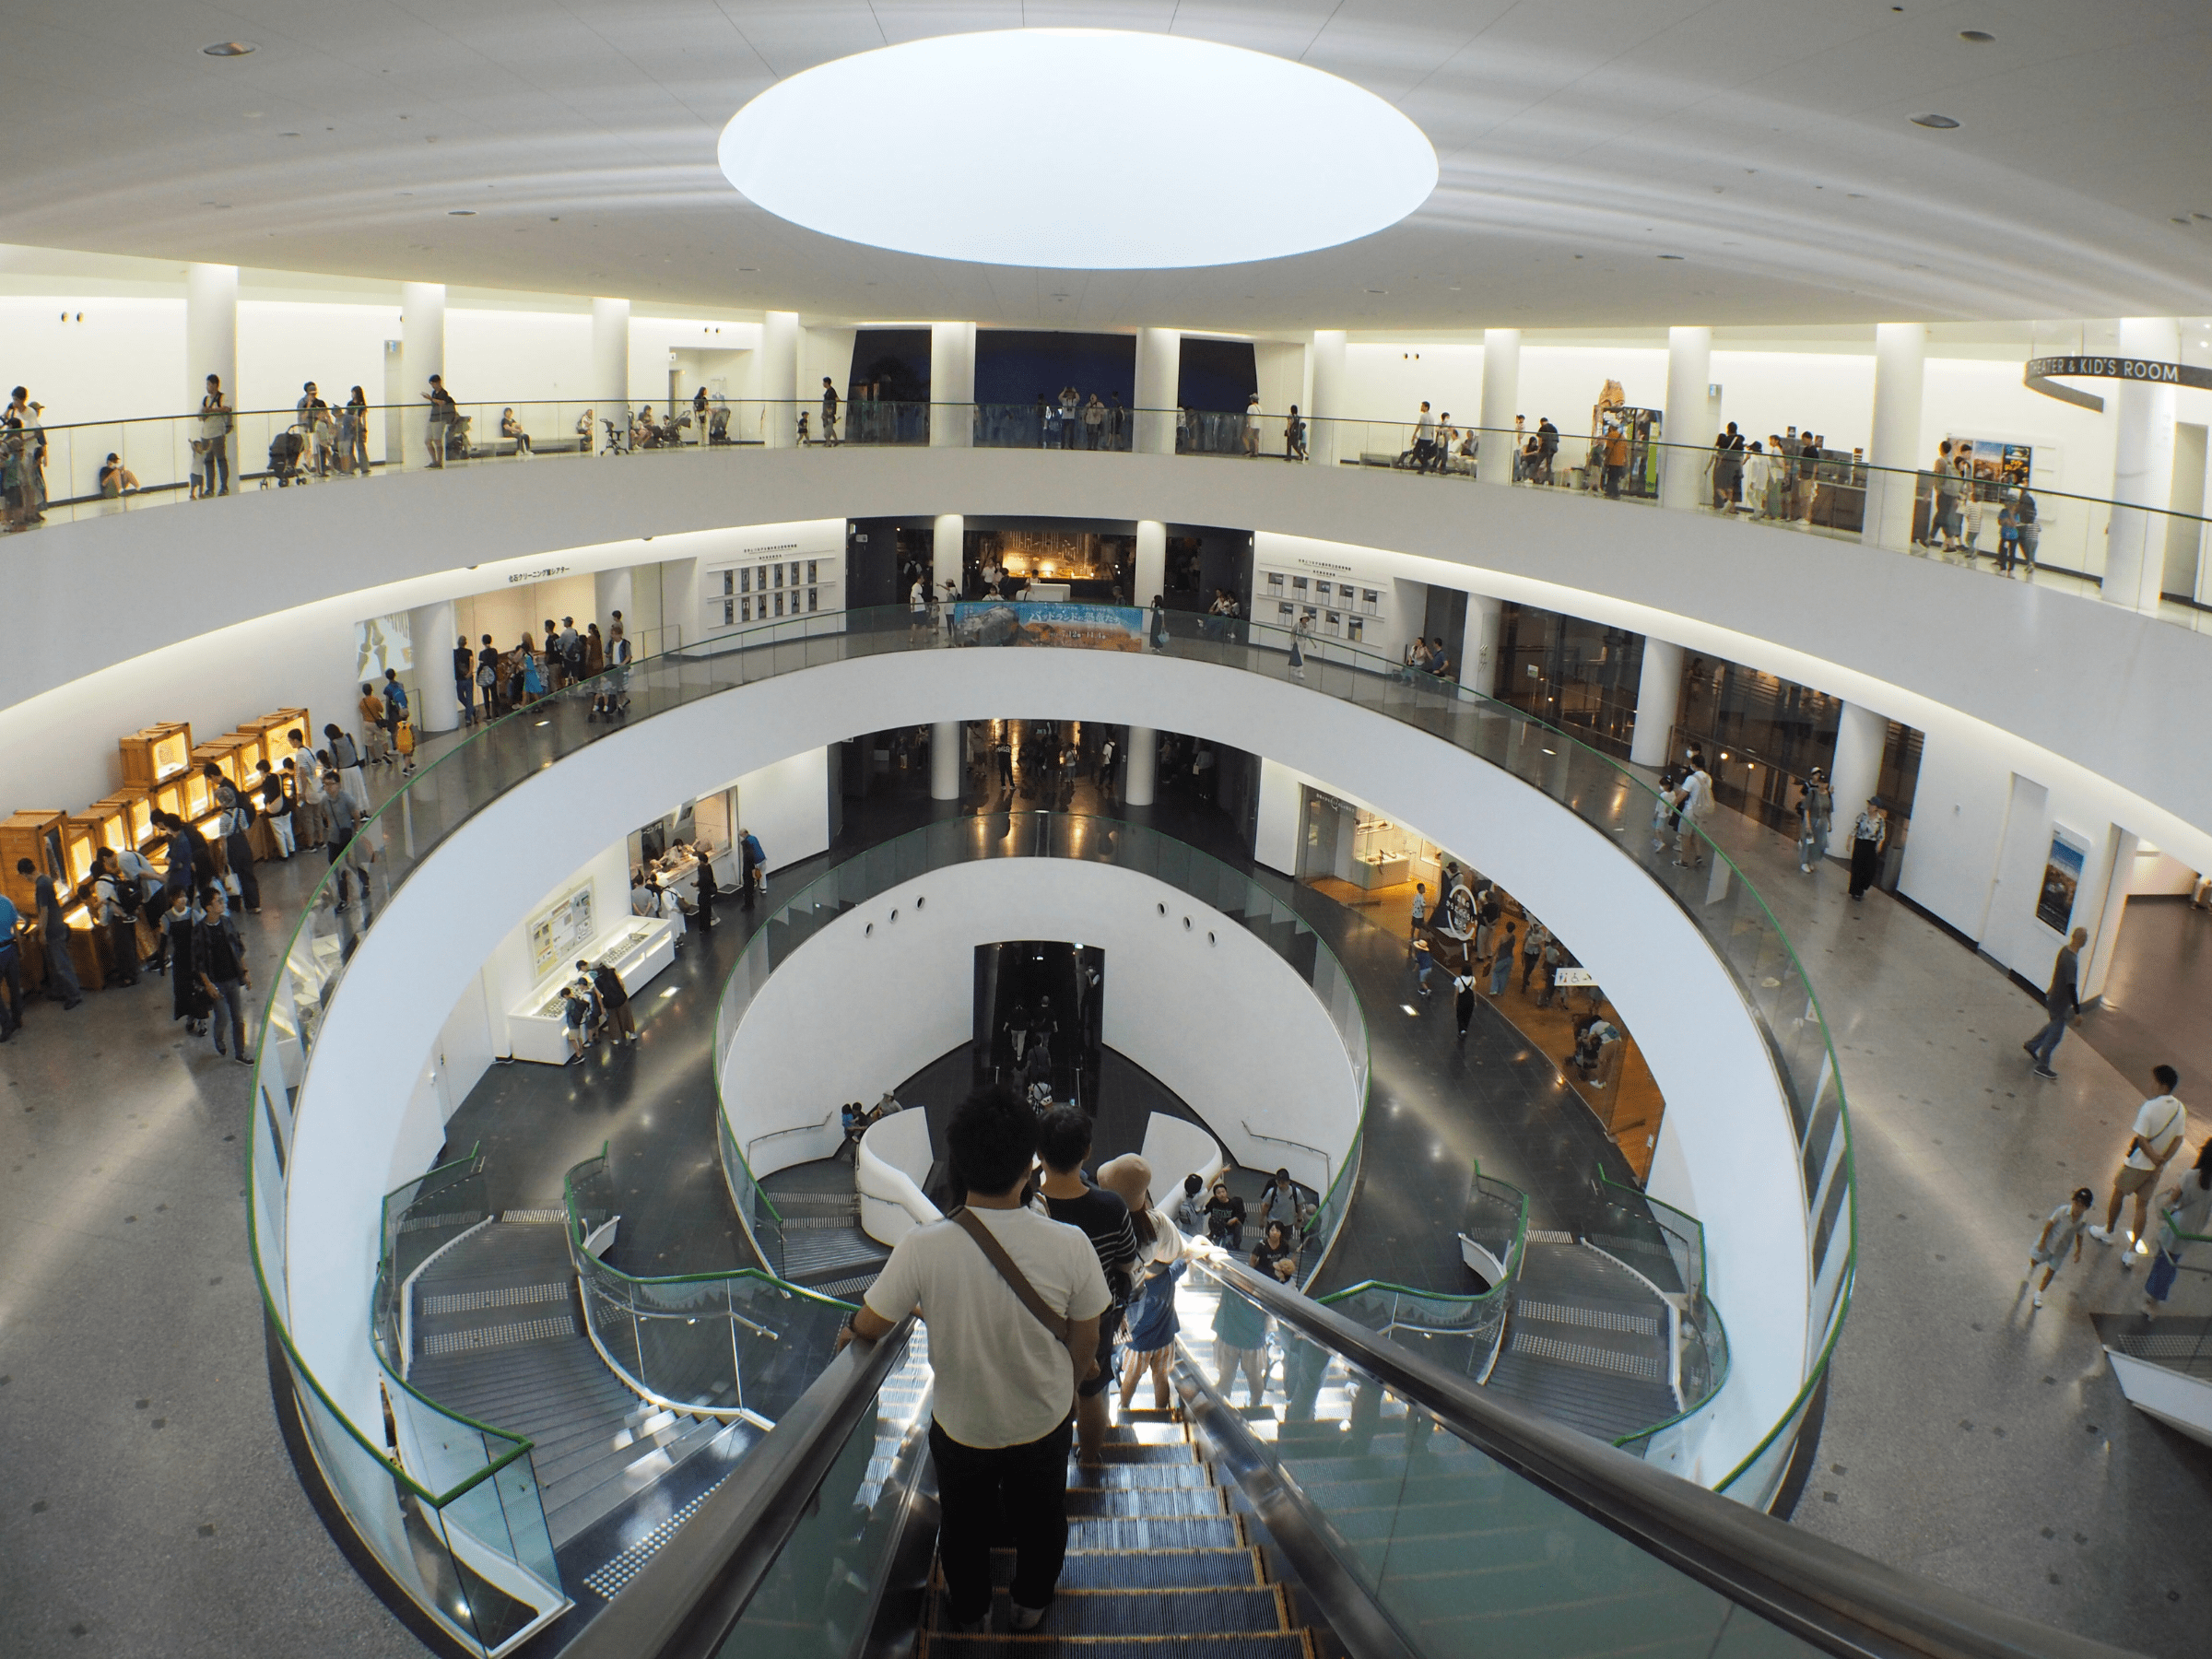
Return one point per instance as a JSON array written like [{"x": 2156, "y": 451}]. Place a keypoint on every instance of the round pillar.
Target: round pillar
[
  {"x": 1158, "y": 377},
  {"x": 2135, "y": 551},
  {"x": 1858, "y": 771},
  {"x": 1900, "y": 352},
  {"x": 780, "y": 378},
  {"x": 1689, "y": 374},
  {"x": 1500, "y": 397},
  {"x": 1658, "y": 698},
  {"x": 437, "y": 703},
  {"x": 945, "y": 759},
  {"x": 1143, "y": 765},
  {"x": 951, "y": 389},
  {"x": 948, "y": 554},
  {"x": 1328, "y": 396},
  {"x": 1151, "y": 576},
  {"x": 421, "y": 354},
  {"x": 1477, "y": 652}
]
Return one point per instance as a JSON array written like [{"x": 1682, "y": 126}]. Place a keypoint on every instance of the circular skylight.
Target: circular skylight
[{"x": 1079, "y": 148}]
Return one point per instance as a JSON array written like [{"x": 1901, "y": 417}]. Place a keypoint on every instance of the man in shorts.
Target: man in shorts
[
  {"x": 2061, "y": 1227},
  {"x": 2161, "y": 1125}
]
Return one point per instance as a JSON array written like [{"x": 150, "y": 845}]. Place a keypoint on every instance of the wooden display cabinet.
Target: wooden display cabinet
[
  {"x": 252, "y": 750},
  {"x": 225, "y": 753},
  {"x": 125, "y": 818},
  {"x": 274, "y": 729},
  {"x": 171, "y": 797},
  {"x": 159, "y": 753},
  {"x": 80, "y": 845},
  {"x": 24, "y": 835}
]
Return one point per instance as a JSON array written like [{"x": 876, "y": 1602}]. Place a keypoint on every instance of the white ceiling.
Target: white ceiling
[{"x": 1766, "y": 142}]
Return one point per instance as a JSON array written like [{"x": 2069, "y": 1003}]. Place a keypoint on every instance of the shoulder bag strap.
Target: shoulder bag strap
[{"x": 970, "y": 1224}]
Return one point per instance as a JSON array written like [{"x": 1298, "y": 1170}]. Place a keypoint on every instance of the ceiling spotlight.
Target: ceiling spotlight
[
  {"x": 1939, "y": 122},
  {"x": 1980, "y": 37},
  {"x": 461, "y": 213},
  {"x": 228, "y": 49},
  {"x": 1670, "y": 255}
]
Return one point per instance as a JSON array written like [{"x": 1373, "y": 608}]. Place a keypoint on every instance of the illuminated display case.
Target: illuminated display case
[
  {"x": 33, "y": 833},
  {"x": 80, "y": 842},
  {"x": 159, "y": 752},
  {"x": 121, "y": 820},
  {"x": 637, "y": 949},
  {"x": 1385, "y": 854}
]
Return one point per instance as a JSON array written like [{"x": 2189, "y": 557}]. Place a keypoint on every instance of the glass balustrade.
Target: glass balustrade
[
  {"x": 103, "y": 467},
  {"x": 449, "y": 790},
  {"x": 1241, "y": 900}
]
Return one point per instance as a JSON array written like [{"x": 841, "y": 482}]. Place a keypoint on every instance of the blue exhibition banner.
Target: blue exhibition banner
[{"x": 1057, "y": 622}]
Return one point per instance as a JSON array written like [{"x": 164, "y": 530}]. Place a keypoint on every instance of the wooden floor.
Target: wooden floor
[{"x": 1630, "y": 1108}]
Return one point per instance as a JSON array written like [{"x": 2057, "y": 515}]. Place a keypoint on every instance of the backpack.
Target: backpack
[
  {"x": 487, "y": 676},
  {"x": 1705, "y": 803}
]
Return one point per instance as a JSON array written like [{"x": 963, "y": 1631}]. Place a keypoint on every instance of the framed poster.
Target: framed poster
[
  {"x": 558, "y": 934},
  {"x": 2062, "y": 877}
]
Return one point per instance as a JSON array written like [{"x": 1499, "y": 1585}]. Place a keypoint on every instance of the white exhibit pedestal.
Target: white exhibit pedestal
[{"x": 637, "y": 951}]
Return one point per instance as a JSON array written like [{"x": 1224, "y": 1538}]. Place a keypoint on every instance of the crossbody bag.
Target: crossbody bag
[{"x": 971, "y": 1224}]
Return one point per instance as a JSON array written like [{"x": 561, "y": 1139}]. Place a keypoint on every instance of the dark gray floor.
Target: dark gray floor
[{"x": 2156, "y": 1007}]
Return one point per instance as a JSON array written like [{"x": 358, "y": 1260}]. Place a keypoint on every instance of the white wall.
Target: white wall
[
  {"x": 121, "y": 362},
  {"x": 786, "y": 806},
  {"x": 1734, "y": 1144},
  {"x": 1222, "y": 1021}
]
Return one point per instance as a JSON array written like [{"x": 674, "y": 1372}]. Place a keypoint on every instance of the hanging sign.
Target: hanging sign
[{"x": 2041, "y": 375}]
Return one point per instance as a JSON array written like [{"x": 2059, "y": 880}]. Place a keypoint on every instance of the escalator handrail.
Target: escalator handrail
[
  {"x": 1839, "y": 1600},
  {"x": 689, "y": 1594}
]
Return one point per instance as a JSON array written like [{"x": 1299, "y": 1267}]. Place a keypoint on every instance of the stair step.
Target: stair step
[
  {"x": 1136, "y": 1608},
  {"x": 1602, "y": 1318},
  {"x": 471, "y": 1301},
  {"x": 1106, "y": 1569},
  {"x": 499, "y": 1336},
  {"x": 1229, "y": 1645}
]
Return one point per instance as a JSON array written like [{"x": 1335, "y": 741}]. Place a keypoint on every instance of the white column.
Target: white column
[
  {"x": 610, "y": 364},
  {"x": 1900, "y": 351},
  {"x": 1151, "y": 575},
  {"x": 1158, "y": 375},
  {"x": 2135, "y": 549},
  {"x": 211, "y": 342},
  {"x": 1501, "y": 393},
  {"x": 1142, "y": 763},
  {"x": 421, "y": 354},
  {"x": 780, "y": 378},
  {"x": 1328, "y": 408},
  {"x": 611, "y": 591},
  {"x": 1477, "y": 652},
  {"x": 944, "y": 760},
  {"x": 433, "y": 629},
  {"x": 951, "y": 386},
  {"x": 1857, "y": 771},
  {"x": 1688, "y": 372},
  {"x": 1658, "y": 698},
  {"x": 947, "y": 560}
]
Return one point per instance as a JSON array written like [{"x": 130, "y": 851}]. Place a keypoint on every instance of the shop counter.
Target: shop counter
[{"x": 637, "y": 949}]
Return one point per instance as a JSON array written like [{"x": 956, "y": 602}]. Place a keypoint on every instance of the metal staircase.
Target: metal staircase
[
  {"x": 1589, "y": 1344},
  {"x": 495, "y": 1333}
]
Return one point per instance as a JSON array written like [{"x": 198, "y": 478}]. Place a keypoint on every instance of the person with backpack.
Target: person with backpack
[
  {"x": 614, "y": 1001},
  {"x": 1013, "y": 1300},
  {"x": 756, "y": 865},
  {"x": 219, "y": 960},
  {"x": 399, "y": 732},
  {"x": 346, "y": 767},
  {"x": 464, "y": 681},
  {"x": 487, "y": 676},
  {"x": 238, "y": 814}
]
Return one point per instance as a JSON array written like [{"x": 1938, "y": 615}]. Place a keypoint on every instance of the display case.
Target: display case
[
  {"x": 161, "y": 751},
  {"x": 81, "y": 841},
  {"x": 225, "y": 753},
  {"x": 637, "y": 948},
  {"x": 274, "y": 730},
  {"x": 1385, "y": 855},
  {"x": 33, "y": 833},
  {"x": 171, "y": 797},
  {"x": 122, "y": 821},
  {"x": 252, "y": 748}
]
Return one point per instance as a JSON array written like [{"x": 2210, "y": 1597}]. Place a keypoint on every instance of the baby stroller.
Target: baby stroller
[
  {"x": 285, "y": 450},
  {"x": 456, "y": 438}
]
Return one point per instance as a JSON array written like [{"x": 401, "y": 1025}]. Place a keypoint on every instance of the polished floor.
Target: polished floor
[
  {"x": 151, "y": 1507},
  {"x": 2156, "y": 1005}
]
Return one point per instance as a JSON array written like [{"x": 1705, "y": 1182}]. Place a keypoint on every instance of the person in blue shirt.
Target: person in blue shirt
[
  {"x": 756, "y": 865},
  {"x": 395, "y": 714},
  {"x": 11, "y": 968}
]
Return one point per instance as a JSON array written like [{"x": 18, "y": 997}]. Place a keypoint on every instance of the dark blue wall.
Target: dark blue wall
[
  {"x": 895, "y": 358},
  {"x": 1217, "y": 374},
  {"x": 1013, "y": 365}
]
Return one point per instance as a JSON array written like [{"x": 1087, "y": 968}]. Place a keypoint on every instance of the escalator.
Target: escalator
[{"x": 1372, "y": 1504}]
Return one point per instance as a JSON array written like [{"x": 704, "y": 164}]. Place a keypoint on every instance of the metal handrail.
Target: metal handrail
[
  {"x": 1818, "y": 1591},
  {"x": 795, "y": 1129},
  {"x": 1328, "y": 1164}
]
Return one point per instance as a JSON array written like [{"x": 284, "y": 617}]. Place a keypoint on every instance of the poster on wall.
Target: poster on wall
[
  {"x": 383, "y": 642},
  {"x": 1090, "y": 627},
  {"x": 2010, "y": 466},
  {"x": 2062, "y": 877},
  {"x": 560, "y": 933}
]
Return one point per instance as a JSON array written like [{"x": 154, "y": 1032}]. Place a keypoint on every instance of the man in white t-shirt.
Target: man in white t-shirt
[
  {"x": 1002, "y": 1413},
  {"x": 2161, "y": 1125}
]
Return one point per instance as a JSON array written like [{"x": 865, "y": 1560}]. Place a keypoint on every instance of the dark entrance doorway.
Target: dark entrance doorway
[{"x": 1037, "y": 1018}]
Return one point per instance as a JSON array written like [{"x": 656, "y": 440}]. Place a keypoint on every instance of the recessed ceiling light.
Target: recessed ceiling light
[
  {"x": 943, "y": 189},
  {"x": 228, "y": 49},
  {"x": 1980, "y": 37},
  {"x": 1670, "y": 255},
  {"x": 461, "y": 213},
  {"x": 1933, "y": 121}
]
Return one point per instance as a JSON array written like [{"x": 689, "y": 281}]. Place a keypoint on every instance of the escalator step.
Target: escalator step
[
  {"x": 1136, "y": 1608},
  {"x": 1144, "y": 1500},
  {"x": 1105, "y": 1568},
  {"x": 1121, "y": 1477},
  {"x": 1177, "y": 1531},
  {"x": 1284, "y": 1645}
]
